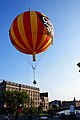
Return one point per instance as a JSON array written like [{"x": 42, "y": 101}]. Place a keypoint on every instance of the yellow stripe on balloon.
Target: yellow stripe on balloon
[
  {"x": 22, "y": 31},
  {"x": 43, "y": 37},
  {"x": 14, "y": 38},
  {"x": 33, "y": 19},
  {"x": 42, "y": 41},
  {"x": 49, "y": 42}
]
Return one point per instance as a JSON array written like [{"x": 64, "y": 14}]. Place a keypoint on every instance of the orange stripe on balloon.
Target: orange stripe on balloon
[
  {"x": 23, "y": 50},
  {"x": 18, "y": 47},
  {"x": 42, "y": 41},
  {"x": 14, "y": 39},
  {"x": 27, "y": 28},
  {"x": 45, "y": 33},
  {"x": 43, "y": 49},
  {"x": 46, "y": 42},
  {"x": 34, "y": 27},
  {"x": 22, "y": 31},
  {"x": 17, "y": 34}
]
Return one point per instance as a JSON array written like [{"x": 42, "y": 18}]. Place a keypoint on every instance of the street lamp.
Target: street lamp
[{"x": 78, "y": 65}]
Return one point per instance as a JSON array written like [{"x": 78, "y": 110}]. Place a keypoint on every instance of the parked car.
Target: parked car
[
  {"x": 4, "y": 117},
  {"x": 44, "y": 118}
]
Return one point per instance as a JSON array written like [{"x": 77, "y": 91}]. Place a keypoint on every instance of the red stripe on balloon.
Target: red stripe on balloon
[
  {"x": 43, "y": 49},
  {"x": 12, "y": 40},
  {"x": 27, "y": 28},
  {"x": 18, "y": 47},
  {"x": 17, "y": 34},
  {"x": 45, "y": 42},
  {"x": 40, "y": 30}
]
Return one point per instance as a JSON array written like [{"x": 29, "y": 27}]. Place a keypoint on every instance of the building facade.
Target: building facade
[
  {"x": 33, "y": 92},
  {"x": 75, "y": 102},
  {"x": 44, "y": 101},
  {"x": 55, "y": 103}
]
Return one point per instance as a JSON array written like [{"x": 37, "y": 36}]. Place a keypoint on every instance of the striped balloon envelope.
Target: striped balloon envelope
[{"x": 31, "y": 33}]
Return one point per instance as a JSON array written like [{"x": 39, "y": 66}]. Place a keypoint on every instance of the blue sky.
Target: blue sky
[{"x": 57, "y": 71}]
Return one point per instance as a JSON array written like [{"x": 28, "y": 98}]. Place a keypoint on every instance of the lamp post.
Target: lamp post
[{"x": 78, "y": 65}]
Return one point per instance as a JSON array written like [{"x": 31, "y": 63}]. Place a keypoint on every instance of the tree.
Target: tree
[
  {"x": 14, "y": 99},
  {"x": 40, "y": 109}
]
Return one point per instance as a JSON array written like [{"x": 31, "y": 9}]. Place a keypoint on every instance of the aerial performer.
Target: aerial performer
[{"x": 31, "y": 32}]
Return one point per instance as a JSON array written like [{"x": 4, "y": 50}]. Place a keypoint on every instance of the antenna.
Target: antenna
[
  {"x": 29, "y": 8},
  {"x": 29, "y": 5}
]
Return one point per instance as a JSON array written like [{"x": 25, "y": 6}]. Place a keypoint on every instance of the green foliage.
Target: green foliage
[
  {"x": 33, "y": 110},
  {"x": 14, "y": 99},
  {"x": 25, "y": 110},
  {"x": 55, "y": 106},
  {"x": 40, "y": 109}
]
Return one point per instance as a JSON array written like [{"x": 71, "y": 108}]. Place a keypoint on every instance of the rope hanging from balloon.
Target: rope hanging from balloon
[
  {"x": 34, "y": 68},
  {"x": 33, "y": 65}
]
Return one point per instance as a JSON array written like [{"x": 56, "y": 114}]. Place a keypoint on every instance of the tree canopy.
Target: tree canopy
[{"x": 14, "y": 99}]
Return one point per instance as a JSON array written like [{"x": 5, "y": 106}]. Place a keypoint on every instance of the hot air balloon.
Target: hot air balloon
[{"x": 31, "y": 33}]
